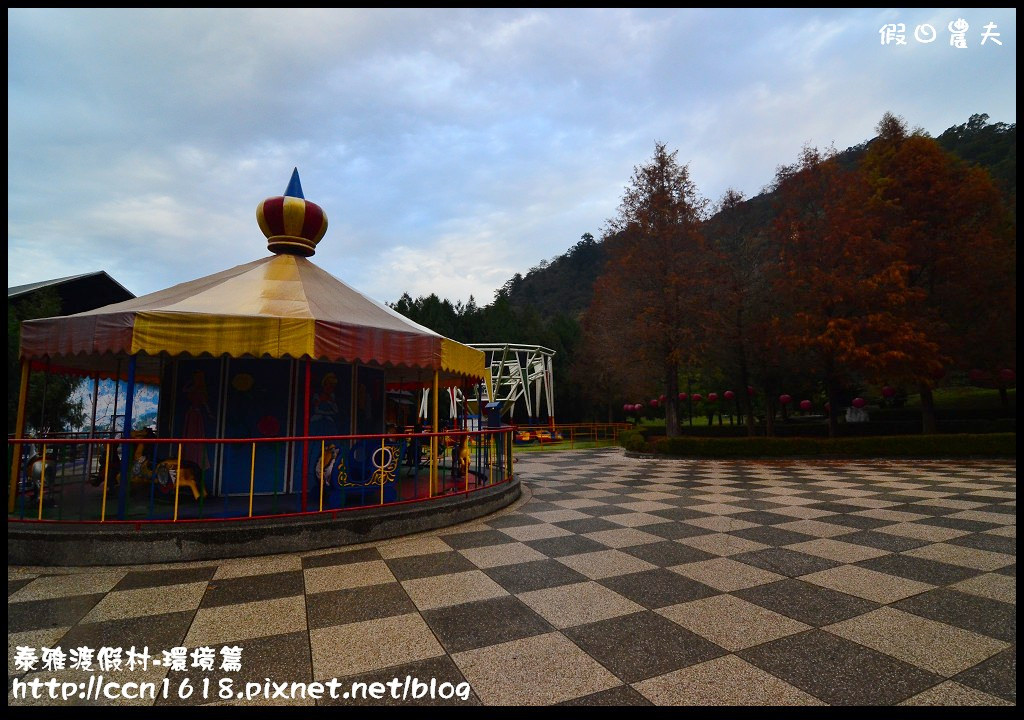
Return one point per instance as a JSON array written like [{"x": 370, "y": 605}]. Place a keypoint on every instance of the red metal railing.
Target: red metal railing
[{"x": 72, "y": 479}]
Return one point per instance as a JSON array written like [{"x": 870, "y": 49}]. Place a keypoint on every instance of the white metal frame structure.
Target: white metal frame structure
[{"x": 517, "y": 371}]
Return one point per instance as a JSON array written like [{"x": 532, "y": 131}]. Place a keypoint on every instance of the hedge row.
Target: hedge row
[
  {"x": 918, "y": 446},
  {"x": 820, "y": 428}
]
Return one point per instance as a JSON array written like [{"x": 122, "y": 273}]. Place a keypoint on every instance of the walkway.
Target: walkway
[{"x": 614, "y": 581}]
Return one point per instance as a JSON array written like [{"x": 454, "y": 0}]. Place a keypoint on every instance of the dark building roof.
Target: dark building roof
[{"x": 78, "y": 293}]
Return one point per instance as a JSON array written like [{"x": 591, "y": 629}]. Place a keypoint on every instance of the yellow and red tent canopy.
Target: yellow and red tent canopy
[{"x": 282, "y": 306}]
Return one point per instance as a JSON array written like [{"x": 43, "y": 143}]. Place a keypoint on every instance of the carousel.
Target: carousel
[{"x": 277, "y": 390}]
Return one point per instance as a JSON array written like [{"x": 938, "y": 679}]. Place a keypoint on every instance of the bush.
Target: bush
[
  {"x": 926, "y": 446},
  {"x": 632, "y": 440}
]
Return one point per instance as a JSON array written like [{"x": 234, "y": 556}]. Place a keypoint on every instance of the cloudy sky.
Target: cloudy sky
[{"x": 450, "y": 149}]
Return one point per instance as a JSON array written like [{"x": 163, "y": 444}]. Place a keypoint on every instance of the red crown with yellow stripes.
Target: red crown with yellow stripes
[{"x": 292, "y": 224}]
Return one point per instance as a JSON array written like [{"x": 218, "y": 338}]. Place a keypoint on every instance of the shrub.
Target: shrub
[{"x": 929, "y": 446}]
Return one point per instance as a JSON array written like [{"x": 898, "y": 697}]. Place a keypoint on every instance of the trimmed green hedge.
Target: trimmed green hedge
[{"x": 937, "y": 446}]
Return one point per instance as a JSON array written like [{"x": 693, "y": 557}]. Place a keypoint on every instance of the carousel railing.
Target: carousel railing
[{"x": 74, "y": 479}]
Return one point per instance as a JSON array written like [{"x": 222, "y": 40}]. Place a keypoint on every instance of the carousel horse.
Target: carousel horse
[
  {"x": 141, "y": 471},
  {"x": 463, "y": 455}
]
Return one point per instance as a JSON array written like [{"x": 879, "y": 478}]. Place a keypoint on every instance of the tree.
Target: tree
[
  {"x": 654, "y": 300},
  {"x": 843, "y": 288},
  {"x": 51, "y": 404},
  {"x": 948, "y": 221}
]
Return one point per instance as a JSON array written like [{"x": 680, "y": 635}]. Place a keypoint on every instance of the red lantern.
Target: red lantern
[
  {"x": 683, "y": 397},
  {"x": 729, "y": 394},
  {"x": 977, "y": 375},
  {"x": 713, "y": 397},
  {"x": 627, "y": 408},
  {"x": 785, "y": 399},
  {"x": 888, "y": 391},
  {"x": 1007, "y": 375},
  {"x": 654, "y": 403},
  {"x": 661, "y": 400},
  {"x": 859, "y": 402},
  {"x": 805, "y": 405},
  {"x": 697, "y": 397},
  {"x": 828, "y": 407},
  {"x": 751, "y": 391}
]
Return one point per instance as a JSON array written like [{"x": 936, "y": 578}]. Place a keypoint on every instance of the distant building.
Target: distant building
[{"x": 77, "y": 293}]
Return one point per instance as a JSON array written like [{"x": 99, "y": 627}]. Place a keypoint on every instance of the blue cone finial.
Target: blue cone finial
[{"x": 294, "y": 186}]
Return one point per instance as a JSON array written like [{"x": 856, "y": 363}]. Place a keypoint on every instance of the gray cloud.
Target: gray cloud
[{"x": 449, "y": 148}]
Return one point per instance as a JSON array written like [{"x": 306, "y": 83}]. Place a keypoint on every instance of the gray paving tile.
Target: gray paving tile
[
  {"x": 566, "y": 545},
  {"x": 139, "y": 579},
  {"x": 159, "y": 632},
  {"x": 658, "y": 588},
  {"x": 484, "y": 622},
  {"x": 996, "y": 676},
  {"x": 14, "y": 585},
  {"x": 59, "y": 612},
  {"x": 463, "y": 541},
  {"x": 970, "y": 612},
  {"x": 283, "y": 658},
  {"x": 810, "y": 604},
  {"x": 664, "y": 554},
  {"x": 421, "y": 566},
  {"x": 883, "y": 541},
  {"x": 351, "y": 605},
  {"x": 642, "y": 645},
  {"x": 594, "y": 524},
  {"x": 254, "y": 587},
  {"x": 987, "y": 541},
  {"x": 785, "y": 562},
  {"x": 620, "y": 696},
  {"x": 536, "y": 575},
  {"x": 921, "y": 569},
  {"x": 838, "y": 671},
  {"x": 772, "y": 536},
  {"x": 341, "y": 558},
  {"x": 439, "y": 669}
]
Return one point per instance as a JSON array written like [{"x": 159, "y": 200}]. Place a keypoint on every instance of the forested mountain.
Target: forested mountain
[{"x": 545, "y": 305}]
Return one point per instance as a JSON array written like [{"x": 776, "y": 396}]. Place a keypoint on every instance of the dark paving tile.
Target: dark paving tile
[
  {"x": 155, "y": 578},
  {"x": 485, "y": 622},
  {"x": 642, "y": 645},
  {"x": 763, "y": 518},
  {"x": 419, "y": 566},
  {"x": 855, "y": 521},
  {"x": 985, "y": 541},
  {"x": 535, "y": 575},
  {"x": 675, "y": 530},
  {"x": 341, "y": 607},
  {"x": 805, "y": 602},
  {"x": 482, "y": 538},
  {"x": 512, "y": 520},
  {"x": 679, "y": 514},
  {"x": 760, "y": 505},
  {"x": 230, "y": 591},
  {"x": 970, "y": 612},
  {"x": 449, "y": 681},
  {"x": 14, "y": 585},
  {"x": 586, "y": 526},
  {"x": 785, "y": 562},
  {"x": 667, "y": 553},
  {"x": 838, "y": 671},
  {"x": 996, "y": 676},
  {"x": 658, "y": 588},
  {"x": 158, "y": 632},
  {"x": 836, "y": 507},
  {"x": 566, "y": 545},
  {"x": 973, "y": 526},
  {"x": 882, "y": 541},
  {"x": 599, "y": 511},
  {"x": 776, "y": 537},
  {"x": 621, "y": 696},
  {"x": 341, "y": 558},
  {"x": 1000, "y": 507},
  {"x": 920, "y": 569},
  {"x": 58, "y": 612},
  {"x": 282, "y": 658},
  {"x": 1009, "y": 570}
]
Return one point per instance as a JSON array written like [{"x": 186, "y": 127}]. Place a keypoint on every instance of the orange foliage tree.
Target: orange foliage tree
[{"x": 652, "y": 299}]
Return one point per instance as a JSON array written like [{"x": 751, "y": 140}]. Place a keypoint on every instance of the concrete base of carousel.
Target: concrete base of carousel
[{"x": 70, "y": 544}]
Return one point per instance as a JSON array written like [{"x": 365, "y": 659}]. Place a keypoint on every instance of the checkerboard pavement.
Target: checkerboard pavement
[{"x": 616, "y": 581}]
